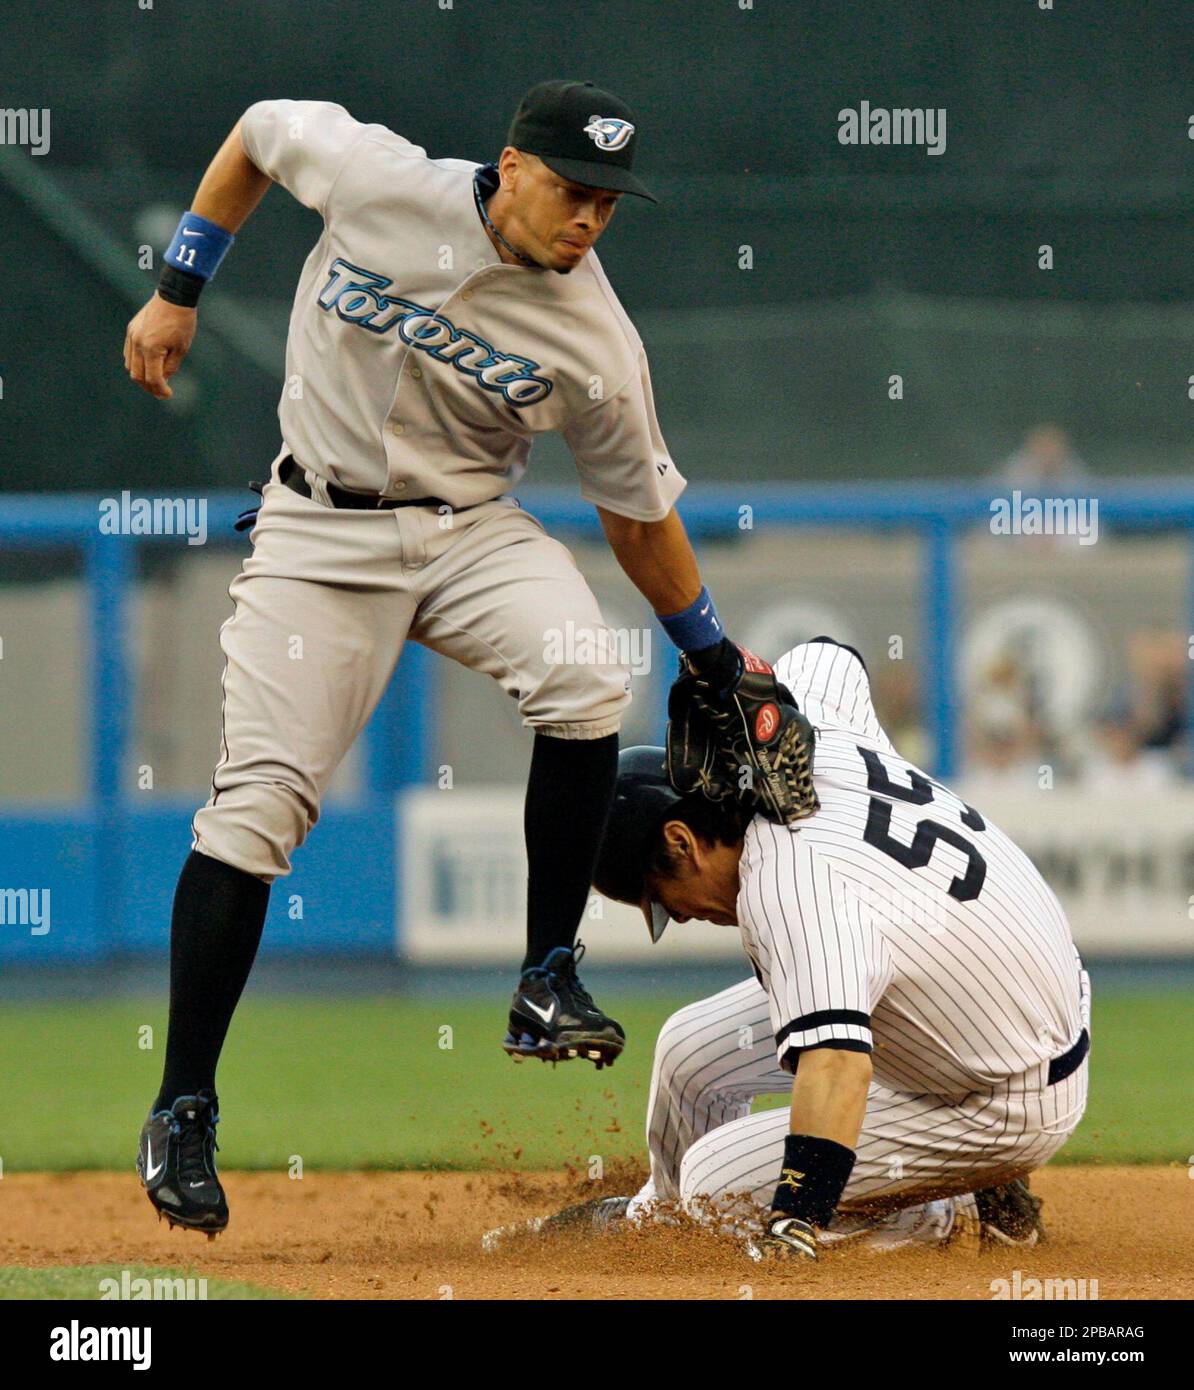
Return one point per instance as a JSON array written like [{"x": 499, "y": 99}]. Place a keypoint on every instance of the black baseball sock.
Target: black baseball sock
[
  {"x": 219, "y": 913},
  {"x": 569, "y": 794}
]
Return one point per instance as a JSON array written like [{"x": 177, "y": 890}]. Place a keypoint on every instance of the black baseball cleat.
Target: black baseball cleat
[
  {"x": 1009, "y": 1215},
  {"x": 177, "y": 1164},
  {"x": 553, "y": 1016}
]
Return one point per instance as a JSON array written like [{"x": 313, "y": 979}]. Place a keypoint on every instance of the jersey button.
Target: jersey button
[
  {"x": 468, "y": 294},
  {"x": 416, "y": 372},
  {"x": 396, "y": 427},
  {"x": 399, "y": 487},
  {"x": 481, "y": 264}
]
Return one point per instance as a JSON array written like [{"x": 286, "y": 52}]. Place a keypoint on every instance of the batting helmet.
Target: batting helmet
[{"x": 643, "y": 797}]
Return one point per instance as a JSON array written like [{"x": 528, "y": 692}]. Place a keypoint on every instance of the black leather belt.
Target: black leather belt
[
  {"x": 1069, "y": 1062},
  {"x": 291, "y": 475}
]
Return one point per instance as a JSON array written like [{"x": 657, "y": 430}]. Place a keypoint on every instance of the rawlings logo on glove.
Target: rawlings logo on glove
[{"x": 766, "y": 723}]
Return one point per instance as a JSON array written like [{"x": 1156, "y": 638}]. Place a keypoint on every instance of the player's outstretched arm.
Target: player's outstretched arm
[
  {"x": 160, "y": 335},
  {"x": 757, "y": 729},
  {"x": 829, "y": 1099},
  {"x": 657, "y": 558}
]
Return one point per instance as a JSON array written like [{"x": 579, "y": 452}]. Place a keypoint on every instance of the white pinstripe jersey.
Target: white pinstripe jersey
[{"x": 898, "y": 920}]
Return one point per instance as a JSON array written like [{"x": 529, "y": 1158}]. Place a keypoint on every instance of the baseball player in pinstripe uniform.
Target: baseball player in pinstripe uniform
[{"x": 915, "y": 987}]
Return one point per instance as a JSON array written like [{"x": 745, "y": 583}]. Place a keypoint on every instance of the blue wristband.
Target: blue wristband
[
  {"x": 198, "y": 246},
  {"x": 696, "y": 626}
]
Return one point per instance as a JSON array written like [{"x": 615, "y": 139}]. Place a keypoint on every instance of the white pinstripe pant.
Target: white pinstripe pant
[{"x": 712, "y": 1058}]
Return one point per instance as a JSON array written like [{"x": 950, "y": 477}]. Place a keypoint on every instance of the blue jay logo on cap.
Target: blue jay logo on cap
[{"x": 608, "y": 132}]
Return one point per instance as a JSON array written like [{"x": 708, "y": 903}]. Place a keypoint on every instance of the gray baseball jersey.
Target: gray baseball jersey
[{"x": 418, "y": 364}]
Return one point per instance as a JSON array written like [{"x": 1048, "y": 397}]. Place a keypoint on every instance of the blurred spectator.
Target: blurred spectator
[
  {"x": 1045, "y": 465},
  {"x": 1141, "y": 740},
  {"x": 1005, "y": 738},
  {"x": 1158, "y": 664},
  {"x": 1119, "y": 763},
  {"x": 897, "y": 703}
]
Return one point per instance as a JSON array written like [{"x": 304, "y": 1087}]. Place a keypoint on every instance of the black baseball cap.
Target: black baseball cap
[
  {"x": 581, "y": 133},
  {"x": 643, "y": 799}
]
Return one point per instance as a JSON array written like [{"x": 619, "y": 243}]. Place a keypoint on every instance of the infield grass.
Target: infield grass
[{"x": 374, "y": 1083}]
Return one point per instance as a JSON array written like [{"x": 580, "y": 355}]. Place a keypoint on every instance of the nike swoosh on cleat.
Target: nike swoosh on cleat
[
  {"x": 150, "y": 1171},
  {"x": 545, "y": 1014}
]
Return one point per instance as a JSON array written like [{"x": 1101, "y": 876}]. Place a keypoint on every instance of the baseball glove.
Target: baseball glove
[
  {"x": 748, "y": 740},
  {"x": 696, "y": 760}
]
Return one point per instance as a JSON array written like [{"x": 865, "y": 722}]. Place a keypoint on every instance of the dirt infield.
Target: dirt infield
[{"x": 417, "y": 1235}]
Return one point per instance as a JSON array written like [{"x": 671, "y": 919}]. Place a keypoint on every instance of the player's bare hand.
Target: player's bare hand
[
  {"x": 155, "y": 342},
  {"x": 786, "y": 1238}
]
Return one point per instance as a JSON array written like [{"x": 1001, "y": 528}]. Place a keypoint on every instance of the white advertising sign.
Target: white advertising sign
[
  {"x": 1122, "y": 869},
  {"x": 462, "y": 889}
]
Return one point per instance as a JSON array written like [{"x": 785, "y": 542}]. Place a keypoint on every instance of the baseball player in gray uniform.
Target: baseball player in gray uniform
[
  {"x": 915, "y": 988},
  {"x": 447, "y": 314}
]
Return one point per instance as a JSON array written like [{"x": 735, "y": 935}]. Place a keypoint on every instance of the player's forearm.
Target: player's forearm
[
  {"x": 232, "y": 186},
  {"x": 160, "y": 335},
  {"x": 829, "y": 1094},
  {"x": 828, "y": 1104},
  {"x": 656, "y": 557}
]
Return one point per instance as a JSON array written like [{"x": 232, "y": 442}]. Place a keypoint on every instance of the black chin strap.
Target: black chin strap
[{"x": 526, "y": 260}]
